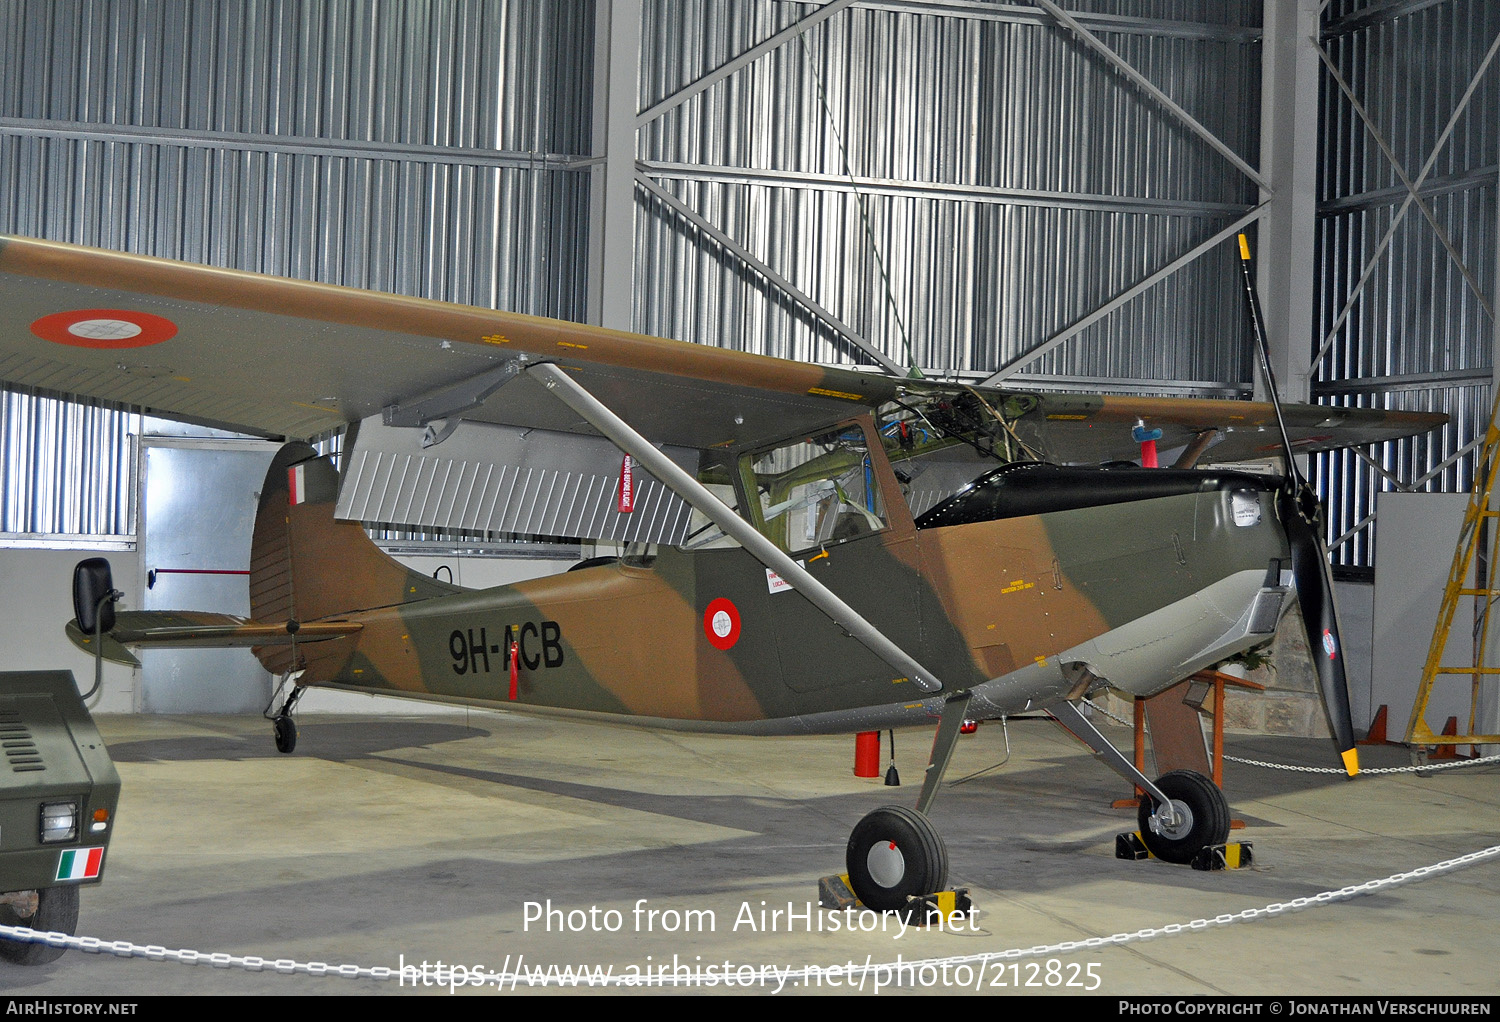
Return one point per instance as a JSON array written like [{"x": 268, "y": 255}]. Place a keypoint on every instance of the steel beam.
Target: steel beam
[
  {"x": 941, "y": 190},
  {"x": 1390, "y": 232},
  {"x": 1286, "y": 239},
  {"x": 745, "y": 59},
  {"x": 760, "y": 266},
  {"x": 1123, "y": 66},
  {"x": 617, "y": 68},
  {"x": 1013, "y": 366},
  {"x": 1352, "y": 531},
  {"x": 338, "y": 147},
  {"x": 1411, "y": 189},
  {"x": 597, "y": 414}
]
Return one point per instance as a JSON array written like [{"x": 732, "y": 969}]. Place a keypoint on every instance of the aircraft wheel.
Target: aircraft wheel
[
  {"x": 1203, "y": 817},
  {"x": 286, "y": 733},
  {"x": 56, "y": 910},
  {"x": 894, "y": 853}
]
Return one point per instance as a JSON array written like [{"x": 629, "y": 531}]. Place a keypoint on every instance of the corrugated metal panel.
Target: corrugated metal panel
[
  {"x": 239, "y": 95},
  {"x": 229, "y": 80},
  {"x": 954, "y": 101},
  {"x": 495, "y": 237},
  {"x": 66, "y": 468},
  {"x": 1417, "y": 337},
  {"x": 486, "y": 74},
  {"x": 488, "y": 478}
]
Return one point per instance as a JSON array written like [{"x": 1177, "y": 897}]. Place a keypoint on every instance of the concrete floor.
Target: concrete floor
[{"x": 426, "y": 837}]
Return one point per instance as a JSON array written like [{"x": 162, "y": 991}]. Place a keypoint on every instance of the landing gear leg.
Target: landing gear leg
[
  {"x": 895, "y": 853},
  {"x": 282, "y": 725},
  {"x": 1182, "y": 813}
]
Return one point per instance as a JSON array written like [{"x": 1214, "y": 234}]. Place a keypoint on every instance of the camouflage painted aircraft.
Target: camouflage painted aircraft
[{"x": 805, "y": 549}]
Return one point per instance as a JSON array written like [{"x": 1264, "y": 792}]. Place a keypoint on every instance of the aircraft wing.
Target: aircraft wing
[
  {"x": 289, "y": 358},
  {"x": 1087, "y": 428},
  {"x": 296, "y": 359}
]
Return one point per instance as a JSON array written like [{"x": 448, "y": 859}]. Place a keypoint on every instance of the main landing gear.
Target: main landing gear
[
  {"x": 895, "y": 854},
  {"x": 1199, "y": 817}
]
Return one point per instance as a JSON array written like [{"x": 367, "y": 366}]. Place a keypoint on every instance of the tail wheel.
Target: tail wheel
[
  {"x": 285, "y": 729},
  {"x": 1202, "y": 817},
  {"x": 894, "y": 854},
  {"x": 56, "y": 911}
]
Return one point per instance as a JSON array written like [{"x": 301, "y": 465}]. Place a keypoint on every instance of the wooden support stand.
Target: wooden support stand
[{"x": 1177, "y": 736}]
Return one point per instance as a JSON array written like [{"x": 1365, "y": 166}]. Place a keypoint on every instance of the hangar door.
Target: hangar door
[{"x": 199, "y": 515}]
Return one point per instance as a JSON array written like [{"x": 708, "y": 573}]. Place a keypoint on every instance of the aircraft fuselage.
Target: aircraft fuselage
[{"x": 1021, "y": 610}]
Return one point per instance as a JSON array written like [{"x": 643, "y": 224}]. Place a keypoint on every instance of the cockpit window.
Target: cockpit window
[
  {"x": 716, "y": 473},
  {"x": 815, "y": 491}
]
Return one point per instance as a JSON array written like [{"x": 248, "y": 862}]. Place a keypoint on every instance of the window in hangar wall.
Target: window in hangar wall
[{"x": 69, "y": 470}]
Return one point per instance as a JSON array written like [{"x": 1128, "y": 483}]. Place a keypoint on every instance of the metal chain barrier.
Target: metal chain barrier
[
  {"x": 1422, "y": 768},
  {"x": 156, "y": 953},
  {"x": 547, "y": 976}
]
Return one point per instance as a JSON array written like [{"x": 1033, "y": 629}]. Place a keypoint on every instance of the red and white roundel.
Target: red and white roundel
[
  {"x": 721, "y": 623},
  {"x": 104, "y": 328}
]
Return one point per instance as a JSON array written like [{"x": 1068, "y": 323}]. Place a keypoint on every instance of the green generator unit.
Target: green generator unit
[{"x": 58, "y": 793}]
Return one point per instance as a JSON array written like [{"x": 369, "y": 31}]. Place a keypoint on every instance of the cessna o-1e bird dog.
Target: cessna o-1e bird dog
[{"x": 808, "y": 549}]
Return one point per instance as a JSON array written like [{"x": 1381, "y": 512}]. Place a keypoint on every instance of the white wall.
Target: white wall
[
  {"x": 36, "y": 601},
  {"x": 1418, "y": 532}
]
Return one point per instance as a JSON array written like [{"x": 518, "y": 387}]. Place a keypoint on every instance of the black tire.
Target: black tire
[
  {"x": 56, "y": 910},
  {"x": 894, "y": 854},
  {"x": 285, "y": 729},
  {"x": 1207, "y": 822}
]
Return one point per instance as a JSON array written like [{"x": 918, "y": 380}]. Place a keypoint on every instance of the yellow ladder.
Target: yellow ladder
[{"x": 1481, "y": 525}]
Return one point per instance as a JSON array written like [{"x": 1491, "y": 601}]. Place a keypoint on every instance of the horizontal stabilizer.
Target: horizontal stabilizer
[{"x": 196, "y": 629}]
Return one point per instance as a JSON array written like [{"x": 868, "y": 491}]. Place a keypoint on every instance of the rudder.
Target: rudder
[{"x": 306, "y": 565}]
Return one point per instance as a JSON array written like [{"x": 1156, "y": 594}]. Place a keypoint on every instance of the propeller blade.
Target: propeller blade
[{"x": 1301, "y": 517}]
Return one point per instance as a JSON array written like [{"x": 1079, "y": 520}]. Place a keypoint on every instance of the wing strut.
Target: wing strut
[{"x": 596, "y": 414}]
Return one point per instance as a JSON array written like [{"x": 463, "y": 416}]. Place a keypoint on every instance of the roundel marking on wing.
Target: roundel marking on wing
[
  {"x": 104, "y": 328},
  {"x": 721, "y": 623}
]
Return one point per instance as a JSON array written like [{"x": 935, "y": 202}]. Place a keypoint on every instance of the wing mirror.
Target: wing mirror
[{"x": 94, "y": 596}]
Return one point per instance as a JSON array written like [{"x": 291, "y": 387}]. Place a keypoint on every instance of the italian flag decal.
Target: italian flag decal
[{"x": 80, "y": 863}]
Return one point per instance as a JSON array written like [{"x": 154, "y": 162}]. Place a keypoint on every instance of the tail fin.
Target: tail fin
[{"x": 306, "y": 565}]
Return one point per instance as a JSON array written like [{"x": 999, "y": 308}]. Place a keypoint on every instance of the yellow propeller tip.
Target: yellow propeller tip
[{"x": 1351, "y": 761}]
